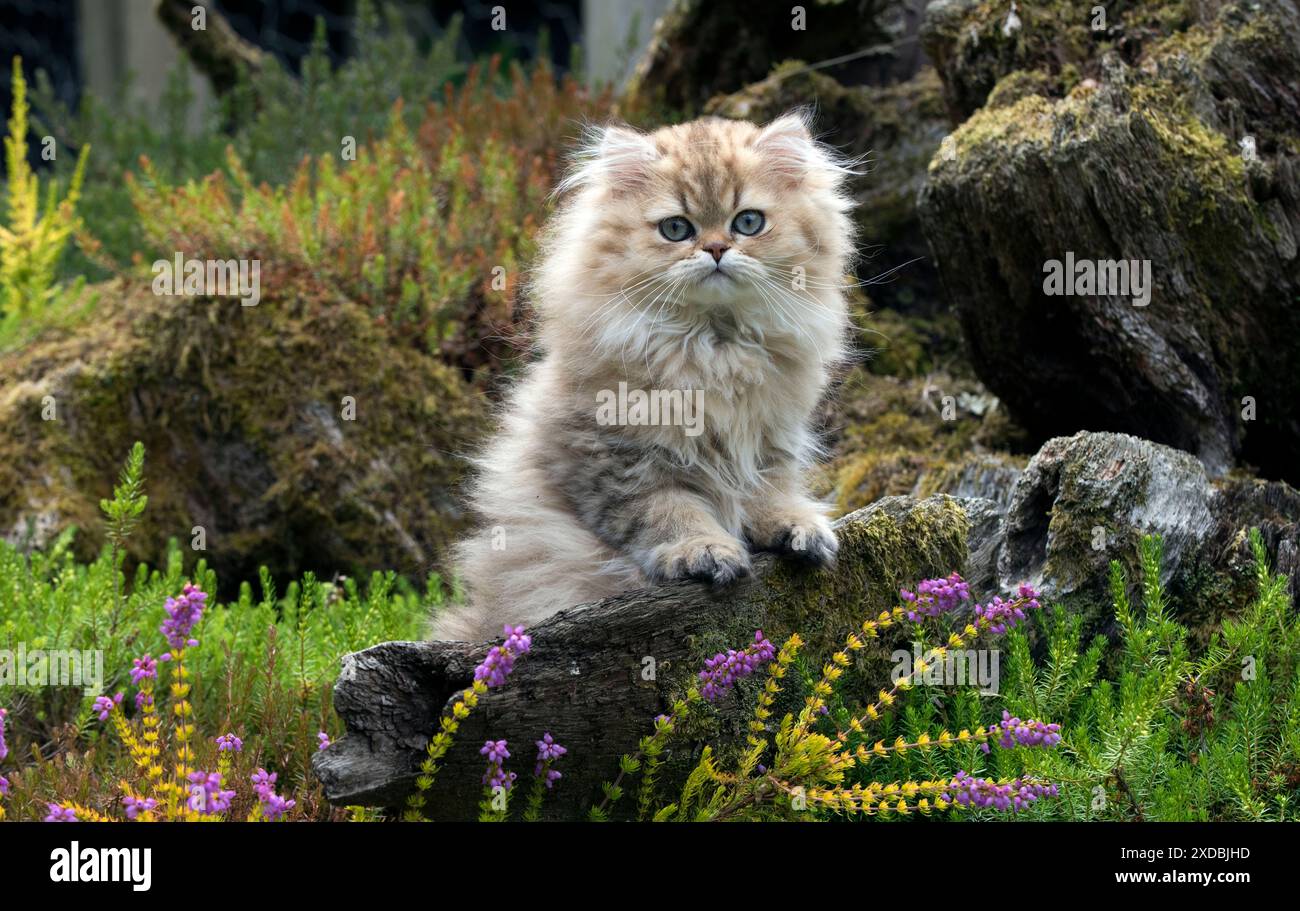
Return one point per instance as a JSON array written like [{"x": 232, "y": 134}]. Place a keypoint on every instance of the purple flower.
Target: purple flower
[
  {"x": 4, "y": 786},
  {"x": 104, "y": 705},
  {"x": 496, "y": 776},
  {"x": 495, "y": 751},
  {"x": 229, "y": 743},
  {"x": 4, "y": 747},
  {"x": 135, "y": 805},
  {"x": 274, "y": 807},
  {"x": 182, "y": 615},
  {"x": 322, "y": 740},
  {"x": 206, "y": 794},
  {"x": 60, "y": 814},
  {"x": 144, "y": 668},
  {"x": 516, "y": 641},
  {"x": 723, "y": 670},
  {"x": 935, "y": 596},
  {"x": 984, "y": 793},
  {"x": 143, "y": 699},
  {"x": 500, "y": 660},
  {"x": 1014, "y": 732},
  {"x": 548, "y": 751},
  {"x": 1004, "y": 615}
]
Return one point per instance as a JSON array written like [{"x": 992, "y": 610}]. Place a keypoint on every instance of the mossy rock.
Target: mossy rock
[
  {"x": 294, "y": 433},
  {"x": 1141, "y": 163},
  {"x": 936, "y": 433},
  {"x": 1057, "y": 44},
  {"x": 700, "y": 49},
  {"x": 1087, "y": 500}
]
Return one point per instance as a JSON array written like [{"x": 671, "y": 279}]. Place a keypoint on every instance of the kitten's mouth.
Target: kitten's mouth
[{"x": 718, "y": 273}]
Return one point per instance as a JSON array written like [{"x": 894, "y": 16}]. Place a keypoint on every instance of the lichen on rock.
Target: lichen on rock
[{"x": 1142, "y": 162}]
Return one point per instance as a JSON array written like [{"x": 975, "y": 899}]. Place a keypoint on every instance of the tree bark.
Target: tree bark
[{"x": 217, "y": 50}]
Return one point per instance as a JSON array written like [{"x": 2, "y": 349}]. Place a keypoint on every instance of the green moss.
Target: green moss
[
  {"x": 241, "y": 412},
  {"x": 1028, "y": 120},
  {"x": 1016, "y": 85},
  {"x": 1055, "y": 42}
]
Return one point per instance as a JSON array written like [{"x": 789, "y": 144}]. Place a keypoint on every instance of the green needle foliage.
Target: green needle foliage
[
  {"x": 1150, "y": 731},
  {"x": 264, "y": 668},
  {"x": 32, "y": 236}
]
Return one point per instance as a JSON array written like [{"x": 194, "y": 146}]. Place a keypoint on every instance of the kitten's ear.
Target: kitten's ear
[
  {"x": 615, "y": 155},
  {"x": 788, "y": 145}
]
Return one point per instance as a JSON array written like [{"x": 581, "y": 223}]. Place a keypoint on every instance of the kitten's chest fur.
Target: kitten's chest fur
[{"x": 756, "y": 393}]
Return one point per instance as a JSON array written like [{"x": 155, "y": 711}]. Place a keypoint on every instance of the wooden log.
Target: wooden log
[{"x": 598, "y": 674}]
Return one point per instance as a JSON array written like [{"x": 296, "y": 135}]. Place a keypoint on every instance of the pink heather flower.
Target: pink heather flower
[
  {"x": 4, "y": 786},
  {"x": 500, "y": 660},
  {"x": 206, "y": 794},
  {"x": 182, "y": 615},
  {"x": 60, "y": 814},
  {"x": 984, "y": 793},
  {"x": 143, "y": 699},
  {"x": 548, "y": 751},
  {"x": 4, "y": 747},
  {"x": 496, "y": 776},
  {"x": 229, "y": 743},
  {"x": 1005, "y": 615},
  {"x": 104, "y": 705},
  {"x": 1014, "y": 732},
  {"x": 135, "y": 806},
  {"x": 144, "y": 668},
  {"x": 723, "y": 670},
  {"x": 935, "y": 596},
  {"x": 322, "y": 740},
  {"x": 274, "y": 807},
  {"x": 495, "y": 751}
]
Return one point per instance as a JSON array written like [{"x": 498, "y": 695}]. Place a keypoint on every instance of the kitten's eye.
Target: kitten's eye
[
  {"x": 749, "y": 222},
  {"x": 676, "y": 228}
]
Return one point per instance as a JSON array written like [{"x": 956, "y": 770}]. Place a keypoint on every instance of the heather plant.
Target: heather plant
[
  {"x": 166, "y": 783},
  {"x": 498, "y": 782},
  {"x": 427, "y": 227},
  {"x": 1149, "y": 730},
  {"x": 1144, "y": 730},
  {"x": 817, "y": 765},
  {"x": 1169, "y": 736},
  {"x": 403, "y": 180},
  {"x": 272, "y": 119},
  {"x": 260, "y": 675},
  {"x": 33, "y": 232}
]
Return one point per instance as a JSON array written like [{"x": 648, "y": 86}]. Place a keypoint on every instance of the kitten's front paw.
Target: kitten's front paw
[
  {"x": 719, "y": 561},
  {"x": 811, "y": 541}
]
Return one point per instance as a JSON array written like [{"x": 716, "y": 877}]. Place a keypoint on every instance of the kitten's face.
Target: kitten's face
[{"x": 713, "y": 214}]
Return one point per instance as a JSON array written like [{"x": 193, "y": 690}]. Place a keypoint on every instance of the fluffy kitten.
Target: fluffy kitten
[{"x": 706, "y": 258}]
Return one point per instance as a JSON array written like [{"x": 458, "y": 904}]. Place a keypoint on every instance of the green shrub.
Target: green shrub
[
  {"x": 32, "y": 236},
  {"x": 428, "y": 228},
  {"x": 271, "y": 119},
  {"x": 264, "y": 668},
  {"x": 1150, "y": 731}
]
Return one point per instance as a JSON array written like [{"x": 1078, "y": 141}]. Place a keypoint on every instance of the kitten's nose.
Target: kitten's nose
[{"x": 717, "y": 248}]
